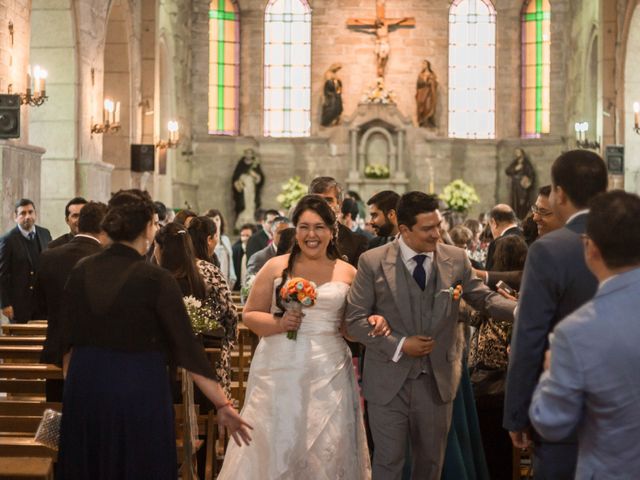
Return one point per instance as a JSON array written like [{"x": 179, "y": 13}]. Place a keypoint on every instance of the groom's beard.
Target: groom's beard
[{"x": 385, "y": 230}]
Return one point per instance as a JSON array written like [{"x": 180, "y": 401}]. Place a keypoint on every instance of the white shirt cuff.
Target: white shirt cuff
[{"x": 398, "y": 355}]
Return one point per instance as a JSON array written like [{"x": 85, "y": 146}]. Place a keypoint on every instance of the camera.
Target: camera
[{"x": 506, "y": 288}]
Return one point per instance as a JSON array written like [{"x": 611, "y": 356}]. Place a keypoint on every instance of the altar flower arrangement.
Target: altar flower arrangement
[
  {"x": 292, "y": 191},
  {"x": 378, "y": 94},
  {"x": 374, "y": 170},
  {"x": 201, "y": 314},
  {"x": 295, "y": 294},
  {"x": 459, "y": 196}
]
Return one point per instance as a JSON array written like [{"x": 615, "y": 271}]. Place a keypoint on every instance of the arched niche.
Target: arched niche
[
  {"x": 54, "y": 125},
  {"x": 631, "y": 95}
]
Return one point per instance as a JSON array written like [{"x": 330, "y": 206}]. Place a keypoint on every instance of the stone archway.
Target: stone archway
[
  {"x": 53, "y": 126},
  {"x": 117, "y": 87},
  {"x": 631, "y": 95}
]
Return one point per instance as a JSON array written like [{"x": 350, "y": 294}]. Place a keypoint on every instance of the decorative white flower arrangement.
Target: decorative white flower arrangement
[
  {"x": 459, "y": 196},
  {"x": 375, "y": 170},
  {"x": 201, "y": 314},
  {"x": 292, "y": 191}
]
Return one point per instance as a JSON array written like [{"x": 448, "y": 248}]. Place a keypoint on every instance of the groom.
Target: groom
[{"x": 411, "y": 376}]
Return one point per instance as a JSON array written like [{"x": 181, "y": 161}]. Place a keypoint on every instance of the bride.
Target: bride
[{"x": 302, "y": 396}]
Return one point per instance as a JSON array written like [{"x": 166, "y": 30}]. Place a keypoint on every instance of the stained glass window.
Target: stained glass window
[
  {"x": 287, "y": 68},
  {"x": 224, "y": 67},
  {"x": 536, "y": 67},
  {"x": 472, "y": 69}
]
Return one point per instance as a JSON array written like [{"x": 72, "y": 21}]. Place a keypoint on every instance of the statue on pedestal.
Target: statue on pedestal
[
  {"x": 523, "y": 178},
  {"x": 247, "y": 184},
  {"x": 426, "y": 96},
  {"x": 332, "y": 104}
]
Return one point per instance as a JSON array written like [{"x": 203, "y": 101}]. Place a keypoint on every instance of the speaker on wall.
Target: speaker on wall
[
  {"x": 9, "y": 116},
  {"x": 143, "y": 157},
  {"x": 614, "y": 155}
]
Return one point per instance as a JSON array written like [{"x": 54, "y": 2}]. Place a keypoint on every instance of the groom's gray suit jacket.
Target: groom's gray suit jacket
[{"x": 381, "y": 287}]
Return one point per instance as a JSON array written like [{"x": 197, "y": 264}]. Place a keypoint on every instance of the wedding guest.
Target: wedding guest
[
  {"x": 362, "y": 208},
  {"x": 223, "y": 250},
  {"x": 543, "y": 215},
  {"x": 384, "y": 220},
  {"x": 349, "y": 217},
  {"x": 71, "y": 215},
  {"x": 556, "y": 282},
  {"x": 183, "y": 217},
  {"x": 55, "y": 267},
  {"x": 316, "y": 432},
  {"x": 503, "y": 222},
  {"x": 20, "y": 250},
  {"x": 125, "y": 320},
  {"x": 262, "y": 237},
  {"x": 258, "y": 259},
  {"x": 161, "y": 210},
  {"x": 239, "y": 252},
  {"x": 350, "y": 245},
  {"x": 591, "y": 377},
  {"x": 488, "y": 361},
  {"x": 203, "y": 233}
]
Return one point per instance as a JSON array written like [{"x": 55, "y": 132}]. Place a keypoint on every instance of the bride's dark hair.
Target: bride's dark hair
[{"x": 318, "y": 205}]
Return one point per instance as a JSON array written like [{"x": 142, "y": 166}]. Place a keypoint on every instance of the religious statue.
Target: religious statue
[
  {"x": 332, "y": 104},
  {"x": 247, "y": 183},
  {"x": 380, "y": 28},
  {"x": 426, "y": 95},
  {"x": 523, "y": 178}
]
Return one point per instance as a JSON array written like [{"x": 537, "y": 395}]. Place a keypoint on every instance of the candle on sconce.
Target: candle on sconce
[
  {"x": 116, "y": 114},
  {"x": 173, "y": 128},
  {"x": 108, "y": 112},
  {"x": 36, "y": 80},
  {"x": 28, "y": 87},
  {"x": 43, "y": 80},
  {"x": 636, "y": 114}
]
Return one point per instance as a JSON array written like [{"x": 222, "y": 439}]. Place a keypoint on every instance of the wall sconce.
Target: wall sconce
[
  {"x": 37, "y": 91},
  {"x": 174, "y": 136},
  {"x": 582, "y": 141},
  {"x": 636, "y": 117},
  {"x": 110, "y": 118}
]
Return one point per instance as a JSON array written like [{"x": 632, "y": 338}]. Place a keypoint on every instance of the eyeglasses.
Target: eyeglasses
[{"x": 538, "y": 211}]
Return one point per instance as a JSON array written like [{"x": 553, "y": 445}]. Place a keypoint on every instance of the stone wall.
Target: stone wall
[{"x": 326, "y": 151}]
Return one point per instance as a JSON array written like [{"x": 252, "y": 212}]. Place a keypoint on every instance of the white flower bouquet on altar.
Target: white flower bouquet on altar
[
  {"x": 201, "y": 313},
  {"x": 375, "y": 170},
  {"x": 378, "y": 93}
]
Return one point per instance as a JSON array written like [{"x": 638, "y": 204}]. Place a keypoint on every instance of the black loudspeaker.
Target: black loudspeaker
[
  {"x": 9, "y": 116},
  {"x": 614, "y": 155},
  {"x": 143, "y": 158}
]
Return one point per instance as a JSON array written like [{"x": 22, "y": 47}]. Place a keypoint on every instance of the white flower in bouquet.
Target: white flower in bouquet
[{"x": 201, "y": 314}]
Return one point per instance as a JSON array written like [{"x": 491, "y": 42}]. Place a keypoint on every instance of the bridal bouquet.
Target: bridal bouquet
[
  {"x": 297, "y": 293},
  {"x": 201, "y": 314}
]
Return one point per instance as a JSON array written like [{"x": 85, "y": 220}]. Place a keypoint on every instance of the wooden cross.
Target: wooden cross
[{"x": 380, "y": 27}]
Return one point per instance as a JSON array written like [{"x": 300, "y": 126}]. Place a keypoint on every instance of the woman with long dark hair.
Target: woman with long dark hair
[
  {"x": 302, "y": 393},
  {"x": 223, "y": 250},
  {"x": 203, "y": 234},
  {"x": 125, "y": 321}
]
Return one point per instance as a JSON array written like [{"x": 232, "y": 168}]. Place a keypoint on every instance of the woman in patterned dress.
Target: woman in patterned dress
[{"x": 204, "y": 235}]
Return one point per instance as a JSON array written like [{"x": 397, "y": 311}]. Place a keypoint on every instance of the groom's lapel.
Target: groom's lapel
[
  {"x": 443, "y": 264},
  {"x": 391, "y": 264}
]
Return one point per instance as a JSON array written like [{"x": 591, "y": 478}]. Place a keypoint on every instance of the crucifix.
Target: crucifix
[{"x": 380, "y": 27}]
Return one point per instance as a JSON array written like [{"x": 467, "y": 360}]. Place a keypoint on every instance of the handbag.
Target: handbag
[
  {"x": 488, "y": 381},
  {"x": 48, "y": 432}
]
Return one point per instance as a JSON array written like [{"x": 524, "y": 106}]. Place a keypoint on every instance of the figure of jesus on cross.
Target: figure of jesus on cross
[{"x": 380, "y": 27}]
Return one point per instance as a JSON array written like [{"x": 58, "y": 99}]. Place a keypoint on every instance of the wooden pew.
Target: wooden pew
[
  {"x": 29, "y": 329},
  {"x": 12, "y": 340},
  {"x": 27, "y": 378},
  {"x": 26, "y": 468},
  {"x": 20, "y": 352}
]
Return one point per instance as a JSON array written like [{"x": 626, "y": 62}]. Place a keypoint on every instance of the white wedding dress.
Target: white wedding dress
[{"x": 303, "y": 404}]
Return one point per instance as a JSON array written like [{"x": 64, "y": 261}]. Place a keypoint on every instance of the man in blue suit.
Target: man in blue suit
[
  {"x": 556, "y": 281},
  {"x": 593, "y": 382}
]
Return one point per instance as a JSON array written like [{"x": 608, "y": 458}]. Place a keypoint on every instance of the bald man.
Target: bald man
[{"x": 503, "y": 222}]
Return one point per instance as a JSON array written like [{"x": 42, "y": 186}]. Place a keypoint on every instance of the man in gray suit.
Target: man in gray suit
[
  {"x": 411, "y": 376},
  {"x": 593, "y": 382},
  {"x": 556, "y": 281},
  {"x": 258, "y": 259}
]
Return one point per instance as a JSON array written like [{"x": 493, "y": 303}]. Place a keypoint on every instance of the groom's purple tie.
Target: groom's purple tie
[{"x": 419, "y": 273}]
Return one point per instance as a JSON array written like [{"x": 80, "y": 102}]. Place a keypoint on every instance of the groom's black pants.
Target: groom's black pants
[{"x": 415, "y": 413}]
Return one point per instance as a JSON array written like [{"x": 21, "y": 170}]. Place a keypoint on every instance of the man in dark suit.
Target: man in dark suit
[
  {"x": 71, "y": 215},
  {"x": 55, "y": 266},
  {"x": 351, "y": 245},
  {"x": 262, "y": 237},
  {"x": 239, "y": 254},
  {"x": 503, "y": 222},
  {"x": 20, "y": 250},
  {"x": 258, "y": 259},
  {"x": 384, "y": 221},
  {"x": 556, "y": 282}
]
